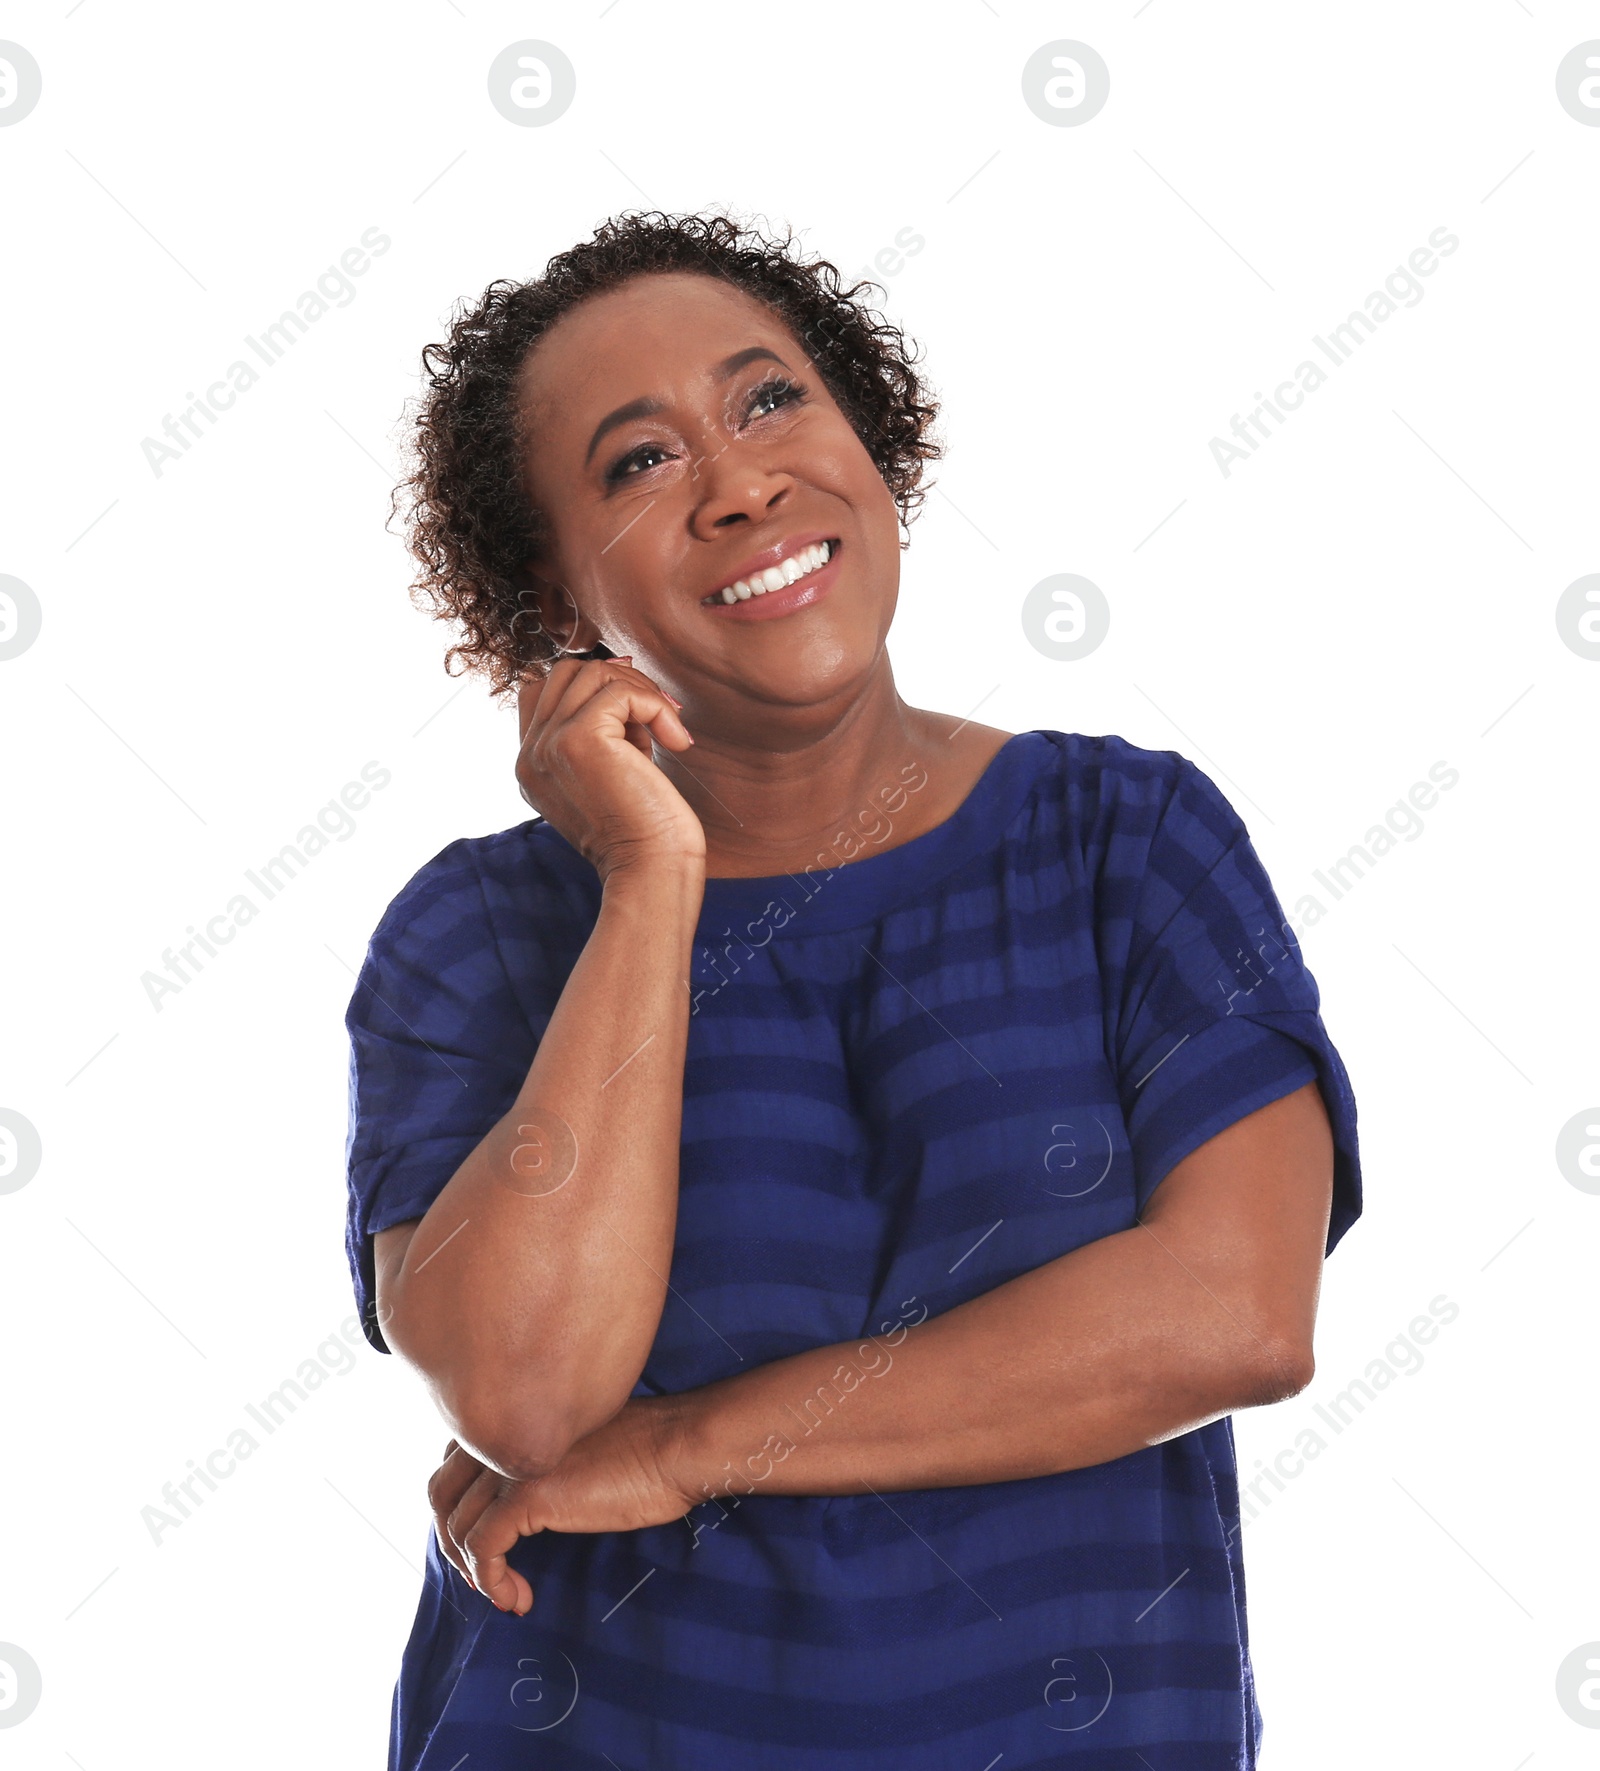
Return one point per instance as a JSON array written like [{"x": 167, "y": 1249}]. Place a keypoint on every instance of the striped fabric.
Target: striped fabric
[{"x": 911, "y": 1076}]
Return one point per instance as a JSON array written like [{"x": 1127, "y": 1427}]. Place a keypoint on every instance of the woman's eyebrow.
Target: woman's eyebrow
[{"x": 648, "y": 405}]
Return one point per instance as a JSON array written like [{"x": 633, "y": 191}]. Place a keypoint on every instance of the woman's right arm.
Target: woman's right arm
[{"x": 528, "y": 1297}]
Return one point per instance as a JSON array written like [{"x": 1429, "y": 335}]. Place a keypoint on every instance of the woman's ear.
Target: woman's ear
[{"x": 548, "y": 608}]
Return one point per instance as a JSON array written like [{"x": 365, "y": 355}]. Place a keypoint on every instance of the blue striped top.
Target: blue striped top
[{"x": 913, "y": 1073}]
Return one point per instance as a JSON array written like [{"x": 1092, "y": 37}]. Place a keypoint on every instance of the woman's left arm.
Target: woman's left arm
[{"x": 1205, "y": 1306}]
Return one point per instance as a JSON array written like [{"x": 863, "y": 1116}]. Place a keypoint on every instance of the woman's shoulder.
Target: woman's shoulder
[
  {"x": 524, "y": 875},
  {"x": 1106, "y": 780}
]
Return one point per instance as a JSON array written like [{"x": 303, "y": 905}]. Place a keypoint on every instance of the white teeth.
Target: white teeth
[{"x": 809, "y": 559}]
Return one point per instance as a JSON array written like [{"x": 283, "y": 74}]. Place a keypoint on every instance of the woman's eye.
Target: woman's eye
[
  {"x": 618, "y": 470},
  {"x": 771, "y": 396},
  {"x": 779, "y": 391}
]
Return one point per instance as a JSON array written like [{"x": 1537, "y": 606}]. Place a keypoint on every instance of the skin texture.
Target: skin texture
[{"x": 529, "y": 1306}]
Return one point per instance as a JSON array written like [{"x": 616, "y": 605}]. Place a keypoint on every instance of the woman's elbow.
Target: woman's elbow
[
  {"x": 489, "y": 1411},
  {"x": 519, "y": 1423},
  {"x": 522, "y": 1447},
  {"x": 1278, "y": 1370}
]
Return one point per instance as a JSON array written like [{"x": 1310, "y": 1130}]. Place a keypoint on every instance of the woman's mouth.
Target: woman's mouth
[{"x": 791, "y": 584}]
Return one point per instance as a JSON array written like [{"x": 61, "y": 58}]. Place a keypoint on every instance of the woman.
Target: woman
[{"x": 839, "y": 1167}]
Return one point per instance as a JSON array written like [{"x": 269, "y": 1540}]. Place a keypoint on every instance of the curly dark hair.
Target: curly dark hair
[{"x": 470, "y": 523}]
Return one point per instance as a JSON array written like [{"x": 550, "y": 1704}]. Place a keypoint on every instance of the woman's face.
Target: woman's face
[{"x": 678, "y": 430}]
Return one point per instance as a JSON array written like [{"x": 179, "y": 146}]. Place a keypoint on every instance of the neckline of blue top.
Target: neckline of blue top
[{"x": 828, "y": 897}]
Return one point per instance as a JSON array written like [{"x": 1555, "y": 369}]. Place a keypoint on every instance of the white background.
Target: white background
[{"x": 225, "y": 644}]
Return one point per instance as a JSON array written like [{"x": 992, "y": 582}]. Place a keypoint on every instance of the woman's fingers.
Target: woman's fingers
[
  {"x": 541, "y": 692},
  {"x": 570, "y": 769},
  {"x": 478, "y": 1515},
  {"x": 470, "y": 1506},
  {"x": 663, "y": 724},
  {"x": 453, "y": 1478},
  {"x": 486, "y": 1544},
  {"x": 621, "y": 693},
  {"x": 576, "y": 695},
  {"x": 528, "y": 693}
]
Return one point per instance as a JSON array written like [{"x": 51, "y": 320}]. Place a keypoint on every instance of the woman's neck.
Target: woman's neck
[{"x": 884, "y": 775}]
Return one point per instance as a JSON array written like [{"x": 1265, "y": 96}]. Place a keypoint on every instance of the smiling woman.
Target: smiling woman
[
  {"x": 840, "y": 1339},
  {"x": 476, "y": 518}
]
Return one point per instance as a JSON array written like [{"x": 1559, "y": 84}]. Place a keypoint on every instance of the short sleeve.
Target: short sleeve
[
  {"x": 439, "y": 1050},
  {"x": 1216, "y": 1013}
]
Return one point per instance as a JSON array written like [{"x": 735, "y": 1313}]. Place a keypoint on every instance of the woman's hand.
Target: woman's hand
[
  {"x": 615, "y": 1479},
  {"x": 587, "y": 764}
]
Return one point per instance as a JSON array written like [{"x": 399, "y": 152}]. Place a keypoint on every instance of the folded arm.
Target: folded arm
[{"x": 1205, "y": 1306}]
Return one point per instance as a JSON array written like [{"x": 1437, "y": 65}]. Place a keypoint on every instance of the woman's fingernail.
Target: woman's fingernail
[{"x": 674, "y": 700}]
